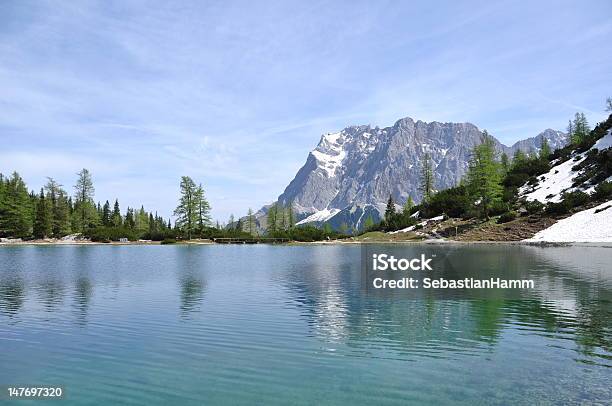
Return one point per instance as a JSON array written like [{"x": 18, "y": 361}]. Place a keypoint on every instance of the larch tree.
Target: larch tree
[
  {"x": 272, "y": 219},
  {"x": 83, "y": 200},
  {"x": 484, "y": 175},
  {"x": 187, "y": 210},
  {"x": 408, "y": 206},
  {"x": 203, "y": 209},
  {"x": 60, "y": 208}
]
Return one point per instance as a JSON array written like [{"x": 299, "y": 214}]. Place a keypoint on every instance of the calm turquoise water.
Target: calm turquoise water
[{"x": 148, "y": 325}]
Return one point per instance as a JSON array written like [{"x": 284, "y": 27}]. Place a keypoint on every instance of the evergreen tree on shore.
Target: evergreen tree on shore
[
  {"x": 427, "y": 181},
  {"x": 42, "y": 222},
  {"x": 83, "y": 201},
  {"x": 187, "y": 209},
  {"x": 16, "y": 208},
  {"x": 484, "y": 175}
]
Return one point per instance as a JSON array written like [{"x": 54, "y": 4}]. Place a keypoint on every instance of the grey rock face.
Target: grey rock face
[{"x": 355, "y": 170}]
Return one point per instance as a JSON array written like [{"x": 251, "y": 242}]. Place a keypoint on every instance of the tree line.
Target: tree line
[{"x": 54, "y": 213}]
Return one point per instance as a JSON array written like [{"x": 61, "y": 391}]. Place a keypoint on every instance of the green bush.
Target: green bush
[
  {"x": 454, "y": 202},
  {"x": 498, "y": 207},
  {"x": 167, "y": 241},
  {"x": 534, "y": 207},
  {"x": 107, "y": 234},
  {"x": 507, "y": 216},
  {"x": 603, "y": 191},
  {"x": 570, "y": 200}
]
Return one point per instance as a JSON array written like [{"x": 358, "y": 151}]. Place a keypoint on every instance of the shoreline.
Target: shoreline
[{"x": 332, "y": 242}]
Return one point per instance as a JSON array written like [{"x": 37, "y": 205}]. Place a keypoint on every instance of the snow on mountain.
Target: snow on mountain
[
  {"x": 560, "y": 178},
  {"x": 592, "y": 225},
  {"x": 319, "y": 216},
  {"x": 604, "y": 142},
  {"x": 552, "y": 184},
  {"x": 351, "y": 173}
]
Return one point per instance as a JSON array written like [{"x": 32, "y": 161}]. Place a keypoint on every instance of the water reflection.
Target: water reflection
[
  {"x": 83, "y": 291},
  {"x": 12, "y": 295},
  {"x": 191, "y": 267},
  {"x": 336, "y": 306}
]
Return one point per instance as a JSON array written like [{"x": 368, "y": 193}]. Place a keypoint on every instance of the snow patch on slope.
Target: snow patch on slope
[
  {"x": 321, "y": 215},
  {"x": 330, "y": 153},
  {"x": 584, "y": 226},
  {"x": 559, "y": 179},
  {"x": 604, "y": 142}
]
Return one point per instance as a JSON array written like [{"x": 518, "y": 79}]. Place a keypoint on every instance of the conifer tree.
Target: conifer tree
[
  {"x": 544, "y": 149},
  {"x": 187, "y": 209},
  {"x": 203, "y": 209},
  {"x": 505, "y": 164},
  {"x": 427, "y": 181},
  {"x": 83, "y": 199},
  {"x": 116, "y": 219},
  {"x": 60, "y": 208},
  {"x": 106, "y": 214},
  {"x": 390, "y": 210},
  {"x": 518, "y": 159},
  {"x": 484, "y": 175},
  {"x": 272, "y": 218},
  {"x": 16, "y": 214},
  {"x": 408, "y": 206},
  {"x": 42, "y": 222},
  {"x": 130, "y": 222}
]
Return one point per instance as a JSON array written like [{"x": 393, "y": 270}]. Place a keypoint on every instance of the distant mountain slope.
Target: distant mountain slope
[{"x": 350, "y": 174}]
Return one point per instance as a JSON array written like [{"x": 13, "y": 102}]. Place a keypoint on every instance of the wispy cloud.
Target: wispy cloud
[{"x": 236, "y": 93}]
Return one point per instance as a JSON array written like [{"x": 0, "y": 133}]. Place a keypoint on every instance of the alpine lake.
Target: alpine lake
[{"x": 282, "y": 324}]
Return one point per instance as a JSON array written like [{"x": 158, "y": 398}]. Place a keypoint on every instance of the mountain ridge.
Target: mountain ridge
[{"x": 352, "y": 172}]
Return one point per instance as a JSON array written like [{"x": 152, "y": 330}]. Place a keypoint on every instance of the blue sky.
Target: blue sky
[{"x": 235, "y": 94}]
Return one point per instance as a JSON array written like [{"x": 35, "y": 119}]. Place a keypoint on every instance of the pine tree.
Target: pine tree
[
  {"x": 106, "y": 214},
  {"x": 130, "y": 222},
  {"x": 152, "y": 223},
  {"x": 16, "y": 210},
  {"x": 609, "y": 104},
  {"x": 187, "y": 209},
  {"x": 408, "y": 206},
  {"x": 116, "y": 219},
  {"x": 427, "y": 181},
  {"x": 390, "y": 210},
  {"x": 42, "y": 222},
  {"x": 83, "y": 200},
  {"x": 484, "y": 175}
]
